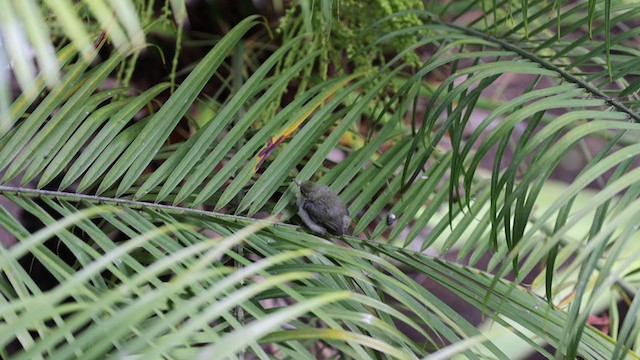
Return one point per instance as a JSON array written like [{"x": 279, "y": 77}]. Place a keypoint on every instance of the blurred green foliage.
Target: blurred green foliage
[{"x": 352, "y": 27}]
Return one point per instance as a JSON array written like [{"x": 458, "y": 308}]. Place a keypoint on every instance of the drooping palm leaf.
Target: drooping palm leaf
[
  {"x": 167, "y": 286},
  {"x": 29, "y": 50}
]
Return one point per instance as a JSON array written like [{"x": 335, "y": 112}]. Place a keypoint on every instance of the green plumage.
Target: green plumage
[{"x": 321, "y": 209}]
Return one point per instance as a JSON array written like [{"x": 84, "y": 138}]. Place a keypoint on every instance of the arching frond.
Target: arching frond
[{"x": 172, "y": 264}]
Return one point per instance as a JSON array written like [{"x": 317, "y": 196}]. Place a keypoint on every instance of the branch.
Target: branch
[{"x": 130, "y": 203}]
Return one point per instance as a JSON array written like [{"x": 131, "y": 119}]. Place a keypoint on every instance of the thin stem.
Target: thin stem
[
  {"x": 547, "y": 65},
  {"x": 130, "y": 203}
]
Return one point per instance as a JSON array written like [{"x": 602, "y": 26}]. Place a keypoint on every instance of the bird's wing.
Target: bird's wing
[{"x": 324, "y": 216}]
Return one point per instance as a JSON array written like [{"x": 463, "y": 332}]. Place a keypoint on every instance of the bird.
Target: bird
[{"x": 321, "y": 209}]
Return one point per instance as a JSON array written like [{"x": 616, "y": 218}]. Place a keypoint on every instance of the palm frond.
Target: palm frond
[
  {"x": 27, "y": 46},
  {"x": 171, "y": 264}
]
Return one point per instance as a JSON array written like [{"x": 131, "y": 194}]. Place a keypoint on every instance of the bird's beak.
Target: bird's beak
[{"x": 298, "y": 182}]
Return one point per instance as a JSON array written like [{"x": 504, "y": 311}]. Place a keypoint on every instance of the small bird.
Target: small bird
[{"x": 321, "y": 209}]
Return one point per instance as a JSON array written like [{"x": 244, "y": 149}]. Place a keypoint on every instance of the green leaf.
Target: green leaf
[{"x": 138, "y": 155}]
